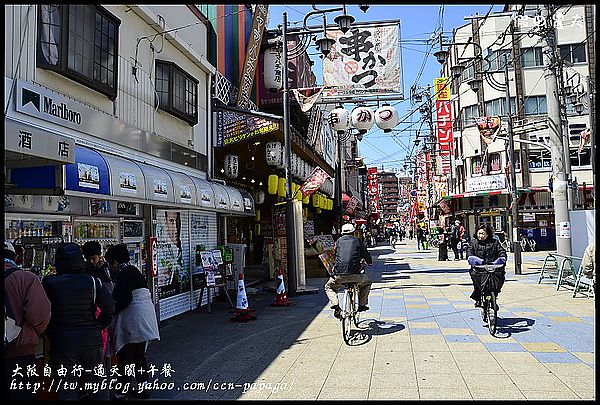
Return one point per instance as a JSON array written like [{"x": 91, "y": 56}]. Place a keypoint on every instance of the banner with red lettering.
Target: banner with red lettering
[
  {"x": 443, "y": 110},
  {"x": 314, "y": 181}
]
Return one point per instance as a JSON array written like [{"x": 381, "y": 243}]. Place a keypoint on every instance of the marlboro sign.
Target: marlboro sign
[{"x": 314, "y": 181}]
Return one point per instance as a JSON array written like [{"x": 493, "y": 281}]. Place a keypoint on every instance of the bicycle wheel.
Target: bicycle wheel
[
  {"x": 491, "y": 312},
  {"x": 355, "y": 313},
  {"x": 483, "y": 309},
  {"x": 347, "y": 316},
  {"x": 532, "y": 245}
]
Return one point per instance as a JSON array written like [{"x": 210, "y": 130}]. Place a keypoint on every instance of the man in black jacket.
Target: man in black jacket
[
  {"x": 74, "y": 331},
  {"x": 349, "y": 251}
]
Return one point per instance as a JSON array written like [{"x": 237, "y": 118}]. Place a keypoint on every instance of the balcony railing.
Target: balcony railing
[{"x": 224, "y": 91}]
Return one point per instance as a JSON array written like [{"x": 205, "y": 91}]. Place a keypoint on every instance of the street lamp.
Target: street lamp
[{"x": 324, "y": 45}]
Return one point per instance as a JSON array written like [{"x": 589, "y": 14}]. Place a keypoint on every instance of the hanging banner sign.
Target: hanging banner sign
[
  {"x": 352, "y": 204},
  {"x": 314, "y": 181},
  {"x": 234, "y": 127},
  {"x": 443, "y": 110},
  {"x": 363, "y": 61},
  {"x": 488, "y": 128}
]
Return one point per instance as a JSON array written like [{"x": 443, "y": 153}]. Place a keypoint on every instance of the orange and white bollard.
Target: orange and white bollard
[
  {"x": 242, "y": 312},
  {"x": 281, "y": 297}
]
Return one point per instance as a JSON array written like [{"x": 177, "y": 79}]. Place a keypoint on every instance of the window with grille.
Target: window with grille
[
  {"x": 535, "y": 105},
  {"x": 494, "y": 163},
  {"x": 177, "y": 92},
  {"x": 81, "y": 43},
  {"x": 532, "y": 57},
  {"x": 476, "y": 166},
  {"x": 468, "y": 72},
  {"x": 573, "y": 53},
  {"x": 580, "y": 159},
  {"x": 539, "y": 160}
]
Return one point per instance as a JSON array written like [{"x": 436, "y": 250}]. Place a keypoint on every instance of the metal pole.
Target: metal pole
[
  {"x": 338, "y": 180},
  {"x": 591, "y": 124},
  {"x": 289, "y": 209},
  {"x": 561, "y": 210},
  {"x": 565, "y": 128},
  {"x": 513, "y": 176}
]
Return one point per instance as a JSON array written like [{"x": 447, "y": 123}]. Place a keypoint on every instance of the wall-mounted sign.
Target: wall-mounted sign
[
  {"x": 160, "y": 188},
  {"x": 491, "y": 182},
  {"x": 127, "y": 182},
  {"x": 37, "y": 142},
  {"x": 88, "y": 175},
  {"x": 154, "y": 256},
  {"x": 185, "y": 193},
  {"x": 233, "y": 127}
]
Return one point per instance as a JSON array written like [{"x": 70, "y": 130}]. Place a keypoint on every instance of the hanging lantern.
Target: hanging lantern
[
  {"x": 297, "y": 193},
  {"x": 273, "y": 153},
  {"x": 273, "y": 69},
  {"x": 281, "y": 161},
  {"x": 386, "y": 117},
  {"x": 305, "y": 199},
  {"x": 315, "y": 200},
  {"x": 294, "y": 163},
  {"x": 257, "y": 216},
  {"x": 318, "y": 210},
  {"x": 281, "y": 188},
  {"x": 272, "y": 184},
  {"x": 257, "y": 229},
  {"x": 339, "y": 120},
  {"x": 330, "y": 205},
  {"x": 259, "y": 195},
  {"x": 362, "y": 119},
  {"x": 231, "y": 166}
]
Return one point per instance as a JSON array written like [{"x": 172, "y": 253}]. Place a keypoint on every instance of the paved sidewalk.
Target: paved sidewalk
[{"x": 421, "y": 339}]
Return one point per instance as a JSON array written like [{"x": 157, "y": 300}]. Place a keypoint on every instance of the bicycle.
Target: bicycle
[
  {"x": 489, "y": 307},
  {"x": 528, "y": 244},
  {"x": 349, "y": 310}
]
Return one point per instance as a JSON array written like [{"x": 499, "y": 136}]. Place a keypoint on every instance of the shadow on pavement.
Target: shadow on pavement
[
  {"x": 514, "y": 325},
  {"x": 369, "y": 327}
]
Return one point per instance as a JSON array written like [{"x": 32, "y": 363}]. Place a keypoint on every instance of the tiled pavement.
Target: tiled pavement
[{"x": 421, "y": 339}]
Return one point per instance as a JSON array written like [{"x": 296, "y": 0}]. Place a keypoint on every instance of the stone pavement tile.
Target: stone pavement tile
[
  {"x": 577, "y": 383},
  {"x": 587, "y": 357},
  {"x": 466, "y": 347},
  {"x": 387, "y": 356},
  {"x": 393, "y": 366},
  {"x": 567, "y": 318},
  {"x": 565, "y": 394},
  {"x": 440, "y": 381},
  {"x": 346, "y": 378},
  {"x": 431, "y": 339},
  {"x": 296, "y": 392},
  {"x": 343, "y": 393},
  {"x": 504, "y": 347},
  {"x": 393, "y": 394},
  {"x": 549, "y": 347},
  {"x": 538, "y": 382},
  {"x": 394, "y": 381},
  {"x": 436, "y": 367},
  {"x": 301, "y": 376},
  {"x": 425, "y": 331},
  {"x": 480, "y": 367},
  {"x": 569, "y": 369},
  {"x": 462, "y": 338},
  {"x": 514, "y": 357},
  {"x": 419, "y": 324},
  {"x": 457, "y": 331},
  {"x": 252, "y": 394},
  {"x": 445, "y": 393},
  {"x": 429, "y": 346},
  {"x": 556, "y": 357},
  {"x": 475, "y": 356},
  {"x": 496, "y": 393},
  {"x": 432, "y": 356}
]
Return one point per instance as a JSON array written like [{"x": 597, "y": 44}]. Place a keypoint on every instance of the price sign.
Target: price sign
[
  {"x": 154, "y": 256},
  {"x": 210, "y": 278}
]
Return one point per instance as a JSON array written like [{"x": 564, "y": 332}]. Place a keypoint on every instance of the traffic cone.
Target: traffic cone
[
  {"x": 242, "y": 312},
  {"x": 281, "y": 297}
]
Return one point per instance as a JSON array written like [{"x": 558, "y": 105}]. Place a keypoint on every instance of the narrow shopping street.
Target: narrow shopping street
[{"x": 421, "y": 339}]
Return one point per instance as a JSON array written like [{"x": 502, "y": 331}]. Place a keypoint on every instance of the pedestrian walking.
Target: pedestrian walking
[
  {"x": 134, "y": 324},
  {"x": 443, "y": 246},
  {"x": 588, "y": 262},
  {"x": 74, "y": 331},
  {"x": 456, "y": 237},
  {"x": 27, "y": 314},
  {"x": 410, "y": 233},
  {"x": 420, "y": 235}
]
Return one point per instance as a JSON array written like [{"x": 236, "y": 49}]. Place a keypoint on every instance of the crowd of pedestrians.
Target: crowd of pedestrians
[{"x": 93, "y": 314}]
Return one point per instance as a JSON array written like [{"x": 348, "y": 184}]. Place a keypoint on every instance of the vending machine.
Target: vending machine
[{"x": 132, "y": 234}]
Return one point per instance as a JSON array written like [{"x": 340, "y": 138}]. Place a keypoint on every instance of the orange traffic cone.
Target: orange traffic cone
[
  {"x": 242, "y": 312},
  {"x": 281, "y": 297}
]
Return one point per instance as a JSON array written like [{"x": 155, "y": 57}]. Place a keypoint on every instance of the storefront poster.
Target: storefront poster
[
  {"x": 217, "y": 256},
  {"x": 208, "y": 261},
  {"x": 185, "y": 193},
  {"x": 564, "y": 230},
  {"x": 89, "y": 176},
  {"x": 172, "y": 277},
  {"x": 160, "y": 188},
  {"x": 199, "y": 225},
  {"x": 18, "y": 201},
  {"x": 126, "y": 208},
  {"x": 99, "y": 207},
  {"x": 328, "y": 260},
  {"x": 56, "y": 203},
  {"x": 128, "y": 182}
]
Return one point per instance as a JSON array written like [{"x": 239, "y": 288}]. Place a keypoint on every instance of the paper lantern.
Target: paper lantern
[
  {"x": 281, "y": 188},
  {"x": 231, "y": 166},
  {"x": 257, "y": 216},
  {"x": 297, "y": 194},
  {"x": 362, "y": 119},
  {"x": 257, "y": 229},
  {"x": 315, "y": 200},
  {"x": 386, "y": 117},
  {"x": 305, "y": 199},
  {"x": 259, "y": 195},
  {"x": 272, "y": 184},
  {"x": 273, "y": 64},
  {"x": 273, "y": 153},
  {"x": 339, "y": 120},
  {"x": 330, "y": 204}
]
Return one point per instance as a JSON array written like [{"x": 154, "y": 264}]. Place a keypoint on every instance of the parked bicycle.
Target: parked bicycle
[
  {"x": 528, "y": 244},
  {"x": 489, "y": 305}
]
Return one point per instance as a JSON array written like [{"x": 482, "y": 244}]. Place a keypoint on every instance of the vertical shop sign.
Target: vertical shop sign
[{"x": 443, "y": 109}]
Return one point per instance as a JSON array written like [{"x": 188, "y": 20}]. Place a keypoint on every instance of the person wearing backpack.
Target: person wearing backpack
[
  {"x": 74, "y": 331},
  {"x": 26, "y": 316}
]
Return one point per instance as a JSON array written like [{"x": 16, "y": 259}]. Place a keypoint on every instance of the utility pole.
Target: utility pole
[
  {"x": 513, "y": 175},
  {"x": 561, "y": 208},
  {"x": 289, "y": 208},
  {"x": 592, "y": 124},
  {"x": 565, "y": 129}
]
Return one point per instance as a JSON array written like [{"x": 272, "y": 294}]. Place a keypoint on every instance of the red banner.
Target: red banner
[
  {"x": 314, "y": 181},
  {"x": 352, "y": 204},
  {"x": 443, "y": 109},
  {"x": 373, "y": 191}
]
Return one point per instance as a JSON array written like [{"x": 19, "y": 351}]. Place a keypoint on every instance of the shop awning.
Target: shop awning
[
  {"x": 221, "y": 197},
  {"x": 89, "y": 173},
  {"x": 205, "y": 194},
  {"x": 235, "y": 199},
  {"x": 248, "y": 202},
  {"x": 184, "y": 188},
  {"x": 159, "y": 186},
  {"x": 126, "y": 177}
]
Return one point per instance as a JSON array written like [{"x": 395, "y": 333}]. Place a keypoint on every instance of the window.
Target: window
[
  {"x": 535, "y": 105},
  {"x": 468, "y": 113},
  {"x": 494, "y": 163},
  {"x": 539, "y": 161},
  {"x": 476, "y": 166},
  {"x": 468, "y": 73},
  {"x": 495, "y": 60},
  {"x": 531, "y": 57},
  {"x": 81, "y": 43},
  {"x": 573, "y": 53},
  {"x": 177, "y": 92},
  {"x": 580, "y": 159},
  {"x": 497, "y": 107}
]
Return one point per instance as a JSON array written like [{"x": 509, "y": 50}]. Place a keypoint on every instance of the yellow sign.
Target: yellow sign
[{"x": 441, "y": 86}]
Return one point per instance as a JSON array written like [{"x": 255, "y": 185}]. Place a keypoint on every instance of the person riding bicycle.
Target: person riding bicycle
[
  {"x": 485, "y": 249},
  {"x": 349, "y": 253}
]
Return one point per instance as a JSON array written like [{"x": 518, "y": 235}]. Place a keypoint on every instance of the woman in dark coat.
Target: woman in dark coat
[
  {"x": 74, "y": 331},
  {"x": 485, "y": 249}
]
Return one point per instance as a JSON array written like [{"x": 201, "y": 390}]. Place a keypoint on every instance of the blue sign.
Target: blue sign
[{"x": 89, "y": 173}]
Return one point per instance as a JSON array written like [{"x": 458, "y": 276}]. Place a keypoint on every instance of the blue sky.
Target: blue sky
[{"x": 417, "y": 24}]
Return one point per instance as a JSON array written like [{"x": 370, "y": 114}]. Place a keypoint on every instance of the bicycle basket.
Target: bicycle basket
[{"x": 488, "y": 281}]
